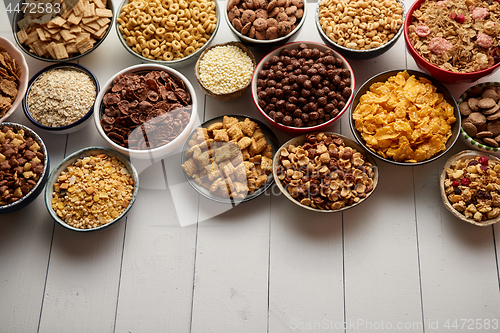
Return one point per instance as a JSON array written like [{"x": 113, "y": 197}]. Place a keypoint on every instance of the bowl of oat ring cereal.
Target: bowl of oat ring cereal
[
  {"x": 168, "y": 32},
  {"x": 60, "y": 98},
  {"x": 146, "y": 111},
  {"x": 52, "y": 32},
  {"x": 302, "y": 87},
  {"x": 469, "y": 187},
  {"x": 360, "y": 29},
  {"x": 455, "y": 40},
  {"x": 405, "y": 117},
  {"x": 258, "y": 22},
  {"x": 24, "y": 166},
  {"x": 324, "y": 172},
  {"x": 480, "y": 112},
  {"x": 224, "y": 71},
  {"x": 91, "y": 189}
]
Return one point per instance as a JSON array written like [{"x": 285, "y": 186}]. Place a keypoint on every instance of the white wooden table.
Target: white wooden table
[{"x": 179, "y": 263}]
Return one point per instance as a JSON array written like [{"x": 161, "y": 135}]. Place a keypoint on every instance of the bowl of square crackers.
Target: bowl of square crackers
[{"x": 14, "y": 77}]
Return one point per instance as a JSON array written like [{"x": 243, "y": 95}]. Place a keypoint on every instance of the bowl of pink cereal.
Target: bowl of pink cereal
[{"x": 470, "y": 49}]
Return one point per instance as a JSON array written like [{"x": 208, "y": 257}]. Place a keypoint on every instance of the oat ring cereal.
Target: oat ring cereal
[
  {"x": 457, "y": 36},
  {"x": 167, "y": 30}
]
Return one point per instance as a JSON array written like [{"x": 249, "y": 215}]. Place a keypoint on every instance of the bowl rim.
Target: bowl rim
[
  {"x": 137, "y": 69},
  {"x": 349, "y": 143},
  {"x": 60, "y": 66},
  {"x": 68, "y": 160},
  {"x": 265, "y": 41},
  {"x": 23, "y": 80},
  {"x": 46, "y": 165},
  {"x": 441, "y": 88},
  {"x": 268, "y": 133},
  {"x": 15, "y": 29},
  {"x": 289, "y": 129},
  {"x": 178, "y": 62},
  {"x": 471, "y": 76},
  {"x": 355, "y": 51}
]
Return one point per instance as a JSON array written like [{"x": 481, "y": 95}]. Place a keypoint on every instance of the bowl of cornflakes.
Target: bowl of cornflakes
[
  {"x": 480, "y": 111},
  {"x": 228, "y": 159},
  {"x": 405, "y": 117},
  {"x": 14, "y": 77},
  {"x": 469, "y": 189},
  {"x": 168, "y": 33},
  {"x": 454, "y": 41},
  {"x": 324, "y": 172},
  {"x": 362, "y": 39}
]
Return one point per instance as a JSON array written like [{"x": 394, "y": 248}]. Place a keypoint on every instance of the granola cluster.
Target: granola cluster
[
  {"x": 473, "y": 187},
  {"x": 457, "y": 35}
]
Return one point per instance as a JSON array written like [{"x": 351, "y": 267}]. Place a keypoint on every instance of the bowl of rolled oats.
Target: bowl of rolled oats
[
  {"x": 454, "y": 40},
  {"x": 469, "y": 187},
  {"x": 24, "y": 166},
  {"x": 324, "y": 172},
  {"x": 54, "y": 31},
  {"x": 91, "y": 189},
  {"x": 228, "y": 159},
  {"x": 172, "y": 33},
  {"x": 146, "y": 111},
  {"x": 60, "y": 98},
  {"x": 480, "y": 111},
  {"x": 360, "y": 29}
]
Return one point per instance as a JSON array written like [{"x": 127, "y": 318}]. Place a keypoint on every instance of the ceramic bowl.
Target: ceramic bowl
[
  {"x": 23, "y": 80},
  {"x": 71, "y": 128},
  {"x": 354, "y": 53},
  {"x": 89, "y": 151},
  {"x": 382, "y": 77},
  {"x": 42, "y": 180},
  {"x": 304, "y": 129}
]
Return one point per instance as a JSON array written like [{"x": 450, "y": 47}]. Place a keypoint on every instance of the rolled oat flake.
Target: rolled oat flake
[{"x": 61, "y": 97}]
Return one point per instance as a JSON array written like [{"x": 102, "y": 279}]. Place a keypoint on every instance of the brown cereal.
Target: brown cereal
[{"x": 10, "y": 73}]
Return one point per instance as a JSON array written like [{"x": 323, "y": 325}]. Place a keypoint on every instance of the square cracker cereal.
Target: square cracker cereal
[
  {"x": 227, "y": 151},
  {"x": 221, "y": 135},
  {"x": 248, "y": 127},
  {"x": 229, "y": 121}
]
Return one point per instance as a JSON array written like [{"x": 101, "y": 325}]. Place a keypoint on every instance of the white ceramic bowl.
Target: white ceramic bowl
[
  {"x": 54, "y": 175},
  {"x": 23, "y": 80},
  {"x": 157, "y": 152}
]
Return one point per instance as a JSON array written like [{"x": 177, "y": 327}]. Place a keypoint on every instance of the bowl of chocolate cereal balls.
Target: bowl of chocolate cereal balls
[
  {"x": 480, "y": 112},
  {"x": 172, "y": 33},
  {"x": 91, "y": 189},
  {"x": 302, "y": 87},
  {"x": 324, "y": 172},
  {"x": 60, "y": 98},
  {"x": 24, "y": 166},
  {"x": 360, "y": 29}
]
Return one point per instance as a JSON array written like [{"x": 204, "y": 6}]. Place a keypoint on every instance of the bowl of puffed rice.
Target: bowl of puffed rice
[
  {"x": 168, "y": 33},
  {"x": 224, "y": 71},
  {"x": 360, "y": 30},
  {"x": 91, "y": 189},
  {"x": 455, "y": 41}
]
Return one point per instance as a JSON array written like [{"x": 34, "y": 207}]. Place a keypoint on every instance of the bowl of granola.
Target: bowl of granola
[
  {"x": 454, "y": 40},
  {"x": 469, "y": 187},
  {"x": 324, "y": 172}
]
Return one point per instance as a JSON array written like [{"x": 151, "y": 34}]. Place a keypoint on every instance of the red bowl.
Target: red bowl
[
  {"x": 305, "y": 129},
  {"x": 438, "y": 73}
]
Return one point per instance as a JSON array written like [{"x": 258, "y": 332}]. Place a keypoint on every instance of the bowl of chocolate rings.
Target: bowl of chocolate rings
[
  {"x": 146, "y": 111},
  {"x": 302, "y": 87},
  {"x": 228, "y": 159},
  {"x": 480, "y": 111},
  {"x": 91, "y": 189},
  {"x": 360, "y": 29},
  {"x": 54, "y": 31},
  {"x": 24, "y": 166},
  {"x": 60, "y": 98},
  {"x": 469, "y": 187},
  {"x": 258, "y": 22},
  {"x": 168, "y": 32},
  {"x": 324, "y": 172},
  {"x": 405, "y": 117}
]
